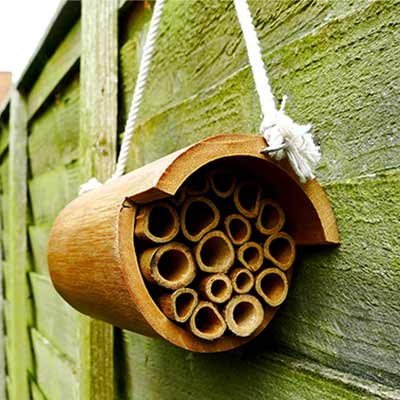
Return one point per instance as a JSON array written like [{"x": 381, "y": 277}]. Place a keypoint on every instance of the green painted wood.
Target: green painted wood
[
  {"x": 56, "y": 128},
  {"x": 98, "y": 127},
  {"x": 60, "y": 63},
  {"x": 18, "y": 293},
  {"x": 343, "y": 308},
  {"x": 156, "y": 370},
  {"x": 55, "y": 319},
  {"x": 38, "y": 238},
  {"x": 325, "y": 74},
  {"x": 55, "y": 374},
  {"x": 4, "y": 137},
  {"x": 50, "y": 192}
]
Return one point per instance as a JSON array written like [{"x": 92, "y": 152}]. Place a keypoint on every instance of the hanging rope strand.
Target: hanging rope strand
[
  {"x": 144, "y": 68},
  {"x": 284, "y": 137}
]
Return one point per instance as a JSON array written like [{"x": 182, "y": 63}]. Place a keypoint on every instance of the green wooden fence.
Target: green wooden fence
[{"x": 338, "y": 335}]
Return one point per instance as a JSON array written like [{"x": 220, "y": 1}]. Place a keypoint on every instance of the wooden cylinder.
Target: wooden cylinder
[
  {"x": 93, "y": 251},
  {"x": 206, "y": 321},
  {"x": 199, "y": 215},
  {"x": 222, "y": 182},
  {"x": 272, "y": 285},
  {"x": 179, "y": 305},
  {"x": 242, "y": 280},
  {"x": 238, "y": 229},
  {"x": 170, "y": 265},
  {"x": 243, "y": 314},
  {"x": 280, "y": 248},
  {"x": 215, "y": 253},
  {"x": 251, "y": 255},
  {"x": 157, "y": 222},
  {"x": 271, "y": 217},
  {"x": 216, "y": 288},
  {"x": 247, "y": 198}
]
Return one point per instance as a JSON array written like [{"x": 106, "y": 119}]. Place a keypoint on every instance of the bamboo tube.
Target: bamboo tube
[
  {"x": 222, "y": 182},
  {"x": 271, "y": 217},
  {"x": 170, "y": 265},
  {"x": 247, "y": 197},
  {"x": 199, "y": 215},
  {"x": 179, "y": 197},
  {"x": 216, "y": 288},
  {"x": 157, "y": 222},
  {"x": 280, "y": 248},
  {"x": 197, "y": 184},
  {"x": 215, "y": 253},
  {"x": 272, "y": 285},
  {"x": 238, "y": 228},
  {"x": 251, "y": 255},
  {"x": 242, "y": 280},
  {"x": 243, "y": 314},
  {"x": 206, "y": 322},
  {"x": 179, "y": 305}
]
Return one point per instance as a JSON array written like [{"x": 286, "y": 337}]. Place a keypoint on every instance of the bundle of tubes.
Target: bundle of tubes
[{"x": 215, "y": 255}]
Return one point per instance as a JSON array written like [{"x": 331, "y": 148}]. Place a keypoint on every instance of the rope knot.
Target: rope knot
[{"x": 285, "y": 137}]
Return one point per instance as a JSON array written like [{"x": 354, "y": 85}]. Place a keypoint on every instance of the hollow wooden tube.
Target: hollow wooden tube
[
  {"x": 206, "y": 321},
  {"x": 216, "y": 288},
  {"x": 272, "y": 285},
  {"x": 197, "y": 184},
  {"x": 222, "y": 182},
  {"x": 280, "y": 248},
  {"x": 242, "y": 280},
  {"x": 170, "y": 265},
  {"x": 214, "y": 253},
  {"x": 246, "y": 197},
  {"x": 179, "y": 305},
  {"x": 157, "y": 222},
  {"x": 271, "y": 217},
  {"x": 238, "y": 228},
  {"x": 251, "y": 255},
  {"x": 199, "y": 215},
  {"x": 243, "y": 314}
]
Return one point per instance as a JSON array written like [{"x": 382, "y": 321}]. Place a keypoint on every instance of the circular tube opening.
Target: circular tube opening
[
  {"x": 184, "y": 304},
  {"x": 281, "y": 249},
  {"x": 243, "y": 282},
  {"x": 219, "y": 288},
  {"x": 215, "y": 252},
  {"x": 197, "y": 184},
  {"x": 207, "y": 324},
  {"x": 252, "y": 256},
  {"x": 161, "y": 221},
  {"x": 173, "y": 265},
  {"x": 244, "y": 314},
  {"x": 223, "y": 183},
  {"x": 238, "y": 230},
  {"x": 273, "y": 286},
  {"x": 269, "y": 217},
  {"x": 248, "y": 198}
]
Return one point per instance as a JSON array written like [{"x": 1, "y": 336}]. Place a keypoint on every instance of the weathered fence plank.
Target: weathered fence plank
[
  {"x": 98, "y": 124},
  {"x": 18, "y": 292}
]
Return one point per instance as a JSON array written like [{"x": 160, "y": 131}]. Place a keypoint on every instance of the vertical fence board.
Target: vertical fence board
[
  {"x": 98, "y": 125},
  {"x": 18, "y": 293}
]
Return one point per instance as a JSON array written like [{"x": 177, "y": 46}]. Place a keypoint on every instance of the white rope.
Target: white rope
[
  {"x": 283, "y": 135},
  {"x": 144, "y": 68}
]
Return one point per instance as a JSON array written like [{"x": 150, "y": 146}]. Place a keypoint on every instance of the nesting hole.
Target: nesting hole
[
  {"x": 273, "y": 286},
  {"x": 281, "y": 250},
  {"x": 248, "y": 195},
  {"x": 207, "y": 321},
  {"x": 243, "y": 281},
  {"x": 238, "y": 229},
  {"x": 199, "y": 215},
  {"x": 173, "y": 264},
  {"x": 252, "y": 256},
  {"x": 219, "y": 288},
  {"x": 197, "y": 184},
  {"x": 223, "y": 181},
  {"x": 184, "y": 304},
  {"x": 161, "y": 221},
  {"x": 269, "y": 216},
  {"x": 244, "y": 314},
  {"x": 215, "y": 252}
]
